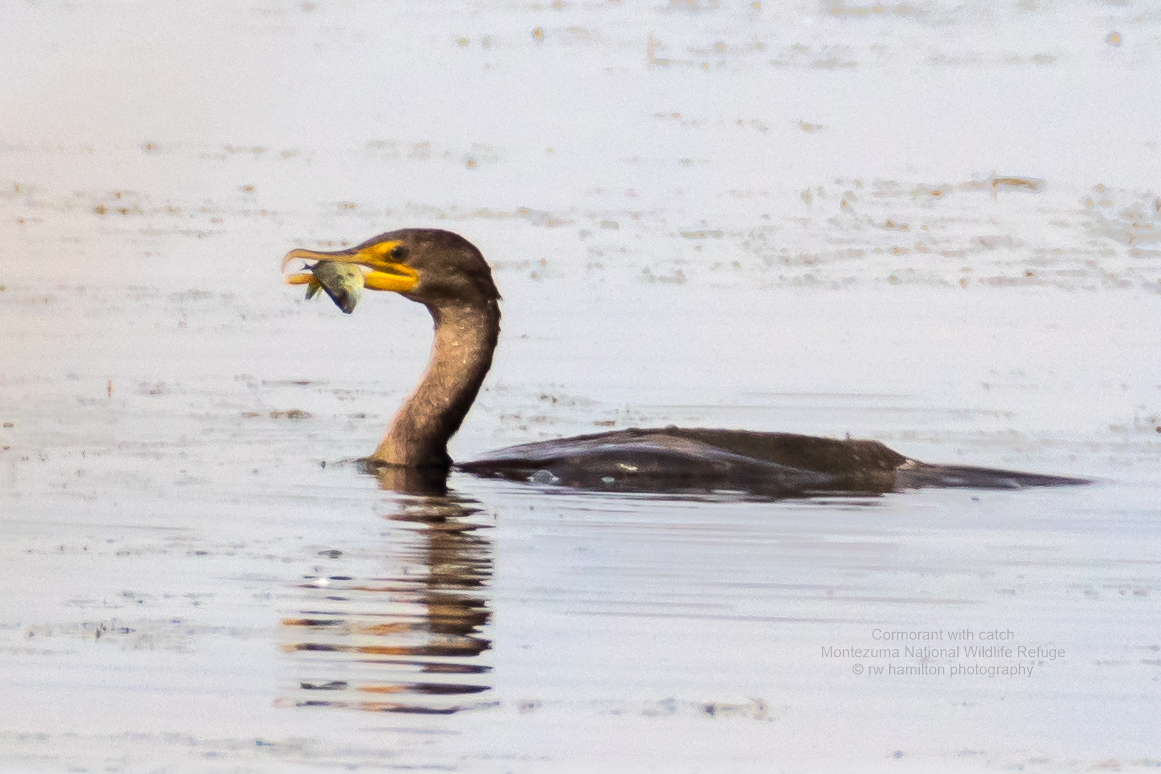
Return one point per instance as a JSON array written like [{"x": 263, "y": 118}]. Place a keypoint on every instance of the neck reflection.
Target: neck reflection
[{"x": 410, "y": 638}]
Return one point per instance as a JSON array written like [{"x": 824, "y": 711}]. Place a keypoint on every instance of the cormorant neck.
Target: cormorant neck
[{"x": 465, "y": 337}]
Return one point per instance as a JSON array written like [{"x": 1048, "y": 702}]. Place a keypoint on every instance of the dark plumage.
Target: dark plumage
[
  {"x": 676, "y": 458},
  {"x": 449, "y": 276}
]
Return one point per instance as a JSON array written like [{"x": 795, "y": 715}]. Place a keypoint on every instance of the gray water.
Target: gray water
[{"x": 933, "y": 224}]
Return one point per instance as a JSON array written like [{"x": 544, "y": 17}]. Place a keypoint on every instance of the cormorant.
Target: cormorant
[{"x": 448, "y": 275}]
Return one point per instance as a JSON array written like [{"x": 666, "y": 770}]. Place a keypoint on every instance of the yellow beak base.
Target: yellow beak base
[{"x": 384, "y": 274}]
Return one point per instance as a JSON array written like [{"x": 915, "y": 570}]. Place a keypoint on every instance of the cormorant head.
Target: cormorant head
[{"x": 433, "y": 267}]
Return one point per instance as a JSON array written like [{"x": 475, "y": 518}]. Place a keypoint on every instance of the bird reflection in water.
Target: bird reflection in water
[{"x": 411, "y": 640}]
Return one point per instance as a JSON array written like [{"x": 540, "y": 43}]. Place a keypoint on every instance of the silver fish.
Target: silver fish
[{"x": 342, "y": 282}]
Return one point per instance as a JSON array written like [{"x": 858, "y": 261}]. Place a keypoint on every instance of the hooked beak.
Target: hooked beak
[{"x": 384, "y": 273}]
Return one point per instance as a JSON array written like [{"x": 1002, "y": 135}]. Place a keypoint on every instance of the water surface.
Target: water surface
[{"x": 934, "y": 224}]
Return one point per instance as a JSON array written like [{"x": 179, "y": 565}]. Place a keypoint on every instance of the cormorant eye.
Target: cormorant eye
[{"x": 398, "y": 253}]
